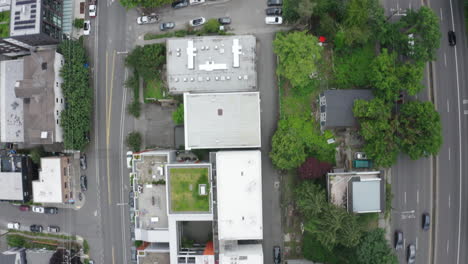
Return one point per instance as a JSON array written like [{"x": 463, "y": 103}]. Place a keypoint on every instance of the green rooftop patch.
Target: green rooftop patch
[
  {"x": 4, "y": 24},
  {"x": 189, "y": 189}
]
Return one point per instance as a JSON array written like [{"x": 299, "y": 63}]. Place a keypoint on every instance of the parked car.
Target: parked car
[
  {"x": 84, "y": 183},
  {"x": 92, "y": 10},
  {"x": 196, "y": 2},
  {"x": 452, "y": 38},
  {"x": 224, "y": 20},
  {"x": 38, "y": 209},
  {"x": 180, "y": 4},
  {"x": 197, "y": 21},
  {"x": 24, "y": 208},
  {"x": 86, "y": 27},
  {"x": 398, "y": 240},
  {"x": 274, "y": 11},
  {"x": 277, "y": 254},
  {"x": 411, "y": 254},
  {"x": 53, "y": 229},
  {"x": 426, "y": 221},
  {"x": 13, "y": 225},
  {"x": 273, "y": 20},
  {"x": 51, "y": 210},
  {"x": 129, "y": 159},
  {"x": 36, "y": 228},
  {"x": 83, "y": 163},
  {"x": 131, "y": 201},
  {"x": 274, "y": 2},
  {"x": 150, "y": 19},
  {"x": 166, "y": 25},
  {"x": 360, "y": 156}
]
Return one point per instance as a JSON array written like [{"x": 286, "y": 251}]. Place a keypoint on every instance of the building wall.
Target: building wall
[{"x": 67, "y": 191}]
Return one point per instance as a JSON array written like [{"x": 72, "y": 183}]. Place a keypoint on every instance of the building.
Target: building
[
  {"x": 336, "y": 107},
  {"x": 16, "y": 175},
  {"x": 54, "y": 184},
  {"x": 13, "y": 256},
  {"x": 31, "y": 99},
  {"x": 359, "y": 192},
  {"x": 211, "y": 64},
  {"x": 33, "y": 23},
  {"x": 176, "y": 207},
  {"x": 222, "y": 120}
]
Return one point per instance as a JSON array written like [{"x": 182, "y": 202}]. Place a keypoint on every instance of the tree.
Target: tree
[
  {"x": 147, "y": 60},
  {"x": 211, "y": 26},
  {"x": 144, "y": 3},
  {"x": 374, "y": 248},
  {"x": 134, "y": 108},
  {"x": 310, "y": 199},
  {"x": 299, "y": 54},
  {"x": 419, "y": 129},
  {"x": 313, "y": 169},
  {"x": 178, "y": 115},
  {"x": 134, "y": 141},
  {"x": 78, "y": 23},
  {"x": 36, "y": 154}
]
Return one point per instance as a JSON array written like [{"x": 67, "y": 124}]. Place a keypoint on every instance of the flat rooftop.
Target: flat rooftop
[
  {"x": 189, "y": 188},
  {"x": 222, "y": 120},
  {"x": 25, "y": 17},
  {"x": 11, "y": 186},
  {"x": 153, "y": 257},
  {"x": 366, "y": 196},
  {"x": 239, "y": 195},
  {"x": 11, "y": 107},
  {"x": 48, "y": 189},
  {"x": 211, "y": 64}
]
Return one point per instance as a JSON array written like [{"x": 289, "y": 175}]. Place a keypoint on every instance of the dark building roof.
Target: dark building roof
[{"x": 336, "y": 107}]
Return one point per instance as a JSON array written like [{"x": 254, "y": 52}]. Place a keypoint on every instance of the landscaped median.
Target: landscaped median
[
  {"x": 211, "y": 27},
  {"x": 49, "y": 241}
]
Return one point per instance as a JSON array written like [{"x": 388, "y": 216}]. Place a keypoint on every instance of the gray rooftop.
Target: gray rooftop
[
  {"x": 336, "y": 107},
  {"x": 25, "y": 17},
  {"x": 38, "y": 256},
  {"x": 366, "y": 195},
  {"x": 211, "y": 64},
  {"x": 11, "y": 186},
  {"x": 222, "y": 120}
]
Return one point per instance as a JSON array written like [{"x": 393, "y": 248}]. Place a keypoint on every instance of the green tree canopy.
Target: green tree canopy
[
  {"x": 310, "y": 199},
  {"x": 133, "y": 141},
  {"x": 178, "y": 115},
  {"x": 299, "y": 54},
  {"x": 144, "y": 3},
  {"x": 374, "y": 248},
  {"x": 147, "y": 60},
  {"x": 419, "y": 130}
]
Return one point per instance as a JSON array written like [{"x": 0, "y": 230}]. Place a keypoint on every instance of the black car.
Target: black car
[
  {"x": 131, "y": 201},
  {"x": 224, "y": 20},
  {"x": 51, "y": 210},
  {"x": 452, "y": 38},
  {"x": 84, "y": 183},
  {"x": 274, "y": 2},
  {"x": 274, "y": 11},
  {"x": 426, "y": 221},
  {"x": 398, "y": 240},
  {"x": 180, "y": 4},
  {"x": 277, "y": 254},
  {"x": 83, "y": 162},
  {"x": 36, "y": 228}
]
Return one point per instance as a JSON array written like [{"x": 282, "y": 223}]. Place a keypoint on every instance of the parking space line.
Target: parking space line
[
  {"x": 441, "y": 15},
  {"x": 405, "y": 197},
  {"x": 449, "y": 152},
  {"x": 416, "y": 243},
  {"x": 417, "y": 196},
  {"x": 449, "y": 201},
  {"x": 448, "y": 106}
]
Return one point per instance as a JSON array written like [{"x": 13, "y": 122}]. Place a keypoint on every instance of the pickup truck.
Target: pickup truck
[{"x": 150, "y": 19}]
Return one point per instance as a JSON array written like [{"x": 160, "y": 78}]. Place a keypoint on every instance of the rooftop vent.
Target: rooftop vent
[{"x": 43, "y": 134}]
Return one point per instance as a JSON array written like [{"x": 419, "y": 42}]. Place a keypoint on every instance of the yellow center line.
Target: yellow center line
[{"x": 108, "y": 123}]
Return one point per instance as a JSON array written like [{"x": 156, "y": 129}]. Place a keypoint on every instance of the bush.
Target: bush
[
  {"x": 137, "y": 243},
  {"x": 36, "y": 154},
  {"x": 211, "y": 26},
  {"x": 178, "y": 115},
  {"x": 352, "y": 69},
  {"x": 78, "y": 23},
  {"x": 313, "y": 169},
  {"x": 134, "y": 108},
  {"x": 16, "y": 241},
  {"x": 134, "y": 141},
  {"x": 85, "y": 247}
]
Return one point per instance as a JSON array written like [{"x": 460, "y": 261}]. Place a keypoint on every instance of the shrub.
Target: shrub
[
  {"x": 134, "y": 108},
  {"x": 178, "y": 115},
  {"x": 211, "y": 26},
  {"x": 134, "y": 141},
  {"x": 36, "y": 154},
  {"x": 85, "y": 247},
  {"x": 16, "y": 241},
  {"x": 78, "y": 23},
  {"x": 137, "y": 243}
]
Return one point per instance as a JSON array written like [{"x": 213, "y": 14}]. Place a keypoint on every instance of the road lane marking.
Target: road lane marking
[
  {"x": 449, "y": 201},
  {"x": 108, "y": 130},
  {"x": 445, "y": 59},
  {"x": 122, "y": 127},
  {"x": 448, "y": 246},
  {"x": 405, "y": 197},
  {"x": 113, "y": 255},
  {"x": 410, "y": 5},
  {"x": 404, "y": 242},
  {"x": 416, "y": 243},
  {"x": 417, "y": 196},
  {"x": 441, "y": 15},
  {"x": 448, "y": 106},
  {"x": 449, "y": 152}
]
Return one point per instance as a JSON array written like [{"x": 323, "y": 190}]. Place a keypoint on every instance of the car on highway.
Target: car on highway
[
  {"x": 150, "y": 19},
  {"x": 51, "y": 210},
  {"x": 274, "y": 11},
  {"x": 166, "y": 26},
  {"x": 398, "y": 240},
  {"x": 426, "y": 221},
  {"x": 129, "y": 159},
  {"x": 452, "y": 38},
  {"x": 277, "y": 254},
  {"x": 197, "y": 21},
  {"x": 411, "y": 254},
  {"x": 24, "y": 207},
  {"x": 224, "y": 20},
  {"x": 36, "y": 228},
  {"x": 38, "y": 209},
  {"x": 360, "y": 156},
  {"x": 13, "y": 225},
  {"x": 274, "y": 2},
  {"x": 86, "y": 27},
  {"x": 83, "y": 183},
  {"x": 83, "y": 163},
  {"x": 53, "y": 229},
  {"x": 92, "y": 10},
  {"x": 273, "y": 20},
  {"x": 179, "y": 4}
]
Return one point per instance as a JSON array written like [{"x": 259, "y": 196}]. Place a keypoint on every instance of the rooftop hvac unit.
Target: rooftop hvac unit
[{"x": 192, "y": 79}]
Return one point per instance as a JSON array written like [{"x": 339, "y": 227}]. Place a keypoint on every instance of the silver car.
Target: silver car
[{"x": 411, "y": 254}]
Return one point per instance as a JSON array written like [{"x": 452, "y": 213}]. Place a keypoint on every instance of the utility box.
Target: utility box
[{"x": 362, "y": 164}]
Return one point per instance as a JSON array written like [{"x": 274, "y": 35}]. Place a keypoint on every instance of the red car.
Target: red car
[{"x": 24, "y": 208}]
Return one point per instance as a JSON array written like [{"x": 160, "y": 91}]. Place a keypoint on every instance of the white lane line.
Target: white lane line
[
  {"x": 449, "y": 201},
  {"x": 459, "y": 142},
  {"x": 448, "y": 106},
  {"x": 448, "y": 245},
  {"x": 416, "y": 243},
  {"x": 417, "y": 196},
  {"x": 405, "y": 197},
  {"x": 449, "y": 153},
  {"x": 445, "y": 59},
  {"x": 441, "y": 15},
  {"x": 404, "y": 242}
]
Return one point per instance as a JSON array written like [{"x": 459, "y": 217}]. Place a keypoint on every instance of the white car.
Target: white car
[
  {"x": 196, "y": 2},
  {"x": 38, "y": 209},
  {"x": 86, "y": 27},
  {"x": 92, "y": 10},
  {"x": 274, "y": 20},
  {"x": 197, "y": 21},
  {"x": 13, "y": 225},
  {"x": 129, "y": 159}
]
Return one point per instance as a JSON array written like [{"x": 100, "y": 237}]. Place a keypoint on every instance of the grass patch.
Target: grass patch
[
  {"x": 64, "y": 237},
  {"x": 15, "y": 240},
  {"x": 388, "y": 199},
  {"x": 153, "y": 90},
  {"x": 352, "y": 68},
  {"x": 184, "y": 184},
  {"x": 369, "y": 221},
  {"x": 4, "y": 24}
]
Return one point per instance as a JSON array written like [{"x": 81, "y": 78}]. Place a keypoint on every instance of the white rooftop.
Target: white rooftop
[
  {"x": 48, "y": 189},
  {"x": 242, "y": 254},
  {"x": 11, "y": 186},
  {"x": 366, "y": 195},
  {"x": 211, "y": 64},
  {"x": 11, "y": 107},
  {"x": 239, "y": 201},
  {"x": 222, "y": 120}
]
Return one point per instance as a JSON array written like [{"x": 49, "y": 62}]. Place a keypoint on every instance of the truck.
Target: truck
[
  {"x": 362, "y": 164},
  {"x": 149, "y": 19}
]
